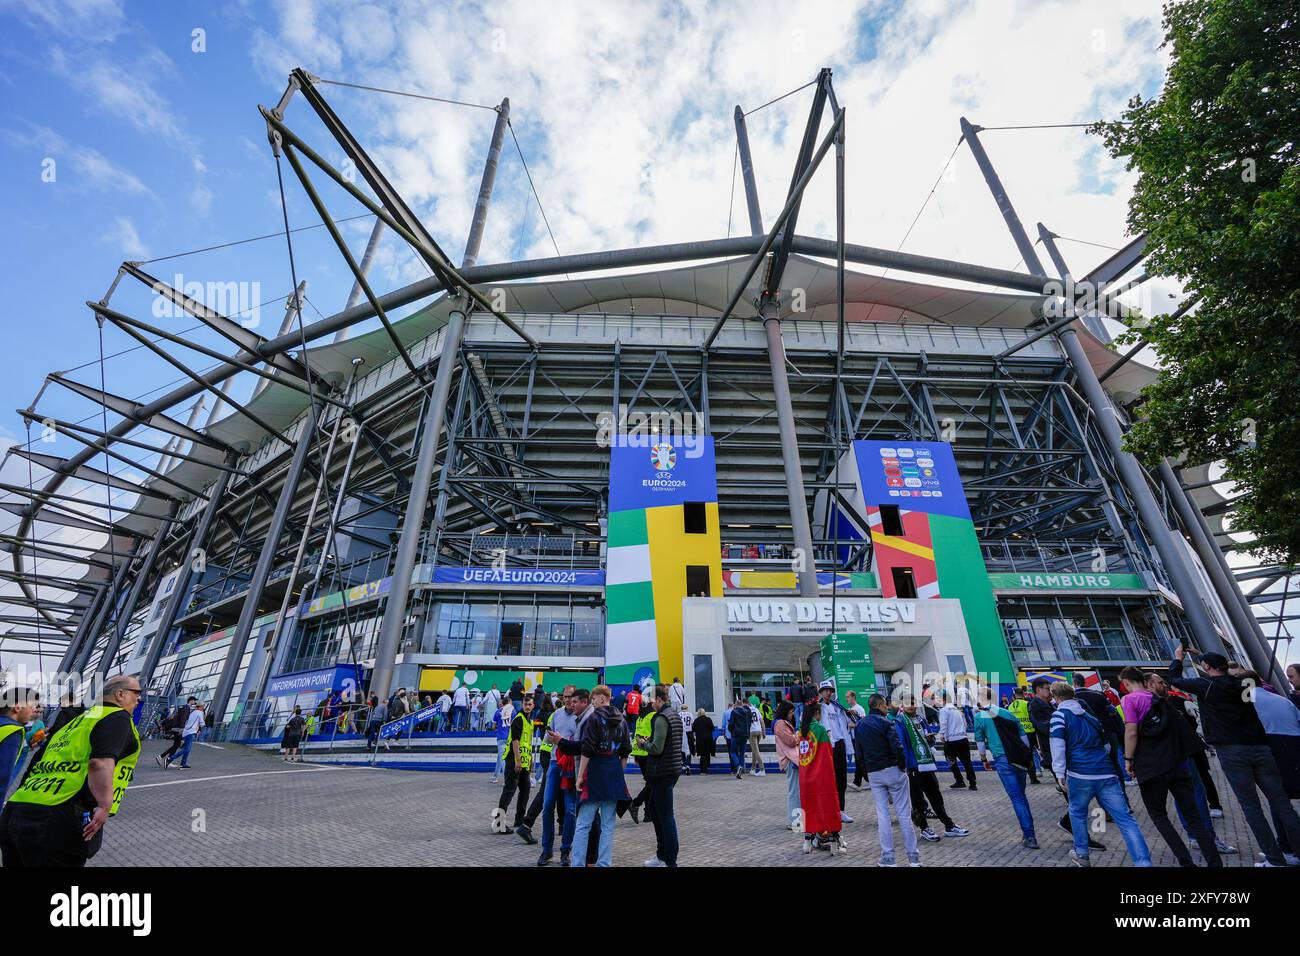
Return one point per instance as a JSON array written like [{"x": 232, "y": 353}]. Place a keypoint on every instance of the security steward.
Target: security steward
[
  {"x": 519, "y": 766},
  {"x": 56, "y": 816},
  {"x": 1019, "y": 706}
]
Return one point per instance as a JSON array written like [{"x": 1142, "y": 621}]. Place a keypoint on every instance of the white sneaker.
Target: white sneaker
[
  {"x": 855, "y": 788},
  {"x": 1217, "y": 814},
  {"x": 914, "y": 859},
  {"x": 1291, "y": 859},
  {"x": 654, "y": 861},
  {"x": 845, "y": 818}
]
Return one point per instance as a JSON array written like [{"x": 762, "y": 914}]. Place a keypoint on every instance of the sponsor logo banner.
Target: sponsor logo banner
[{"x": 916, "y": 476}]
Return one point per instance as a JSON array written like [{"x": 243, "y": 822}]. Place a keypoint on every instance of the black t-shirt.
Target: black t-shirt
[{"x": 111, "y": 738}]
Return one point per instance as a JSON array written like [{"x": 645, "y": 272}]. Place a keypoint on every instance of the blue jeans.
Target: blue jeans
[
  {"x": 1013, "y": 781},
  {"x": 458, "y": 716},
  {"x": 1202, "y": 804},
  {"x": 183, "y": 755},
  {"x": 791, "y": 791},
  {"x": 736, "y": 749},
  {"x": 1110, "y": 794},
  {"x": 550, "y": 794},
  {"x": 582, "y": 830},
  {"x": 500, "y": 766}
]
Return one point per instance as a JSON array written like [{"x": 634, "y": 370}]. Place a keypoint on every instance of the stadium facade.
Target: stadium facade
[{"x": 741, "y": 463}]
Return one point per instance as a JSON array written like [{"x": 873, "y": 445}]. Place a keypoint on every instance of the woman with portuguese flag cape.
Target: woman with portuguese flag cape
[{"x": 818, "y": 797}]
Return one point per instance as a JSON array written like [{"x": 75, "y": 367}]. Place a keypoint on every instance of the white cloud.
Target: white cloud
[
  {"x": 130, "y": 92},
  {"x": 88, "y": 166},
  {"x": 124, "y": 238},
  {"x": 625, "y": 114},
  {"x": 91, "y": 21}
]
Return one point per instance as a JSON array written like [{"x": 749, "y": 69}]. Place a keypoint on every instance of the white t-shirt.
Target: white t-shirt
[
  {"x": 756, "y": 723},
  {"x": 687, "y": 720},
  {"x": 678, "y": 694},
  {"x": 461, "y": 696},
  {"x": 857, "y": 709},
  {"x": 194, "y": 723},
  {"x": 492, "y": 700},
  {"x": 444, "y": 704}
]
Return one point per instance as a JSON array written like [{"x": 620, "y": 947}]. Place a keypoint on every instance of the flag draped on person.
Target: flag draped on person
[
  {"x": 818, "y": 797},
  {"x": 915, "y": 748}
]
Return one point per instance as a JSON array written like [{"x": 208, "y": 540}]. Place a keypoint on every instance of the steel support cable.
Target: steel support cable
[
  {"x": 1085, "y": 242},
  {"x": 36, "y": 586},
  {"x": 112, "y": 548},
  {"x": 242, "y": 242},
  {"x": 533, "y": 187},
  {"x": 414, "y": 96},
  {"x": 781, "y": 97},
  {"x": 928, "y": 196},
  {"x": 293, "y": 276}
]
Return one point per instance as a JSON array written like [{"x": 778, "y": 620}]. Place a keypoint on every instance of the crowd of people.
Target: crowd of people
[
  {"x": 580, "y": 741},
  {"x": 562, "y": 758}
]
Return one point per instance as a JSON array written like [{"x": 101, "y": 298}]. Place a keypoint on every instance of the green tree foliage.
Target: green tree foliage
[{"x": 1219, "y": 196}]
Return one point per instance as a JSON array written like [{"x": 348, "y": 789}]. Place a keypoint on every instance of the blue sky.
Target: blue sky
[{"x": 624, "y": 113}]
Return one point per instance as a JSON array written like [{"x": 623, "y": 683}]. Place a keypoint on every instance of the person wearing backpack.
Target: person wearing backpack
[
  {"x": 1003, "y": 746},
  {"x": 600, "y": 779},
  {"x": 173, "y": 727},
  {"x": 1158, "y": 744},
  {"x": 1083, "y": 763},
  {"x": 293, "y": 730},
  {"x": 739, "y": 720}
]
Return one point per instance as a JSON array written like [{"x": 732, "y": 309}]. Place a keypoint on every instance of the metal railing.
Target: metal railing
[{"x": 569, "y": 552}]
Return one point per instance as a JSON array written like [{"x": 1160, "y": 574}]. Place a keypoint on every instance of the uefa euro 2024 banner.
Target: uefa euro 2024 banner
[
  {"x": 917, "y": 476},
  {"x": 662, "y": 472}
]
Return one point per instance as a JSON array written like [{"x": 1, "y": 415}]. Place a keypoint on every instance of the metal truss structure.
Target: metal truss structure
[{"x": 472, "y": 424}]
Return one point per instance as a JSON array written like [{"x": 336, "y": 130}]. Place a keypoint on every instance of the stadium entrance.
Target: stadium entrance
[{"x": 729, "y": 642}]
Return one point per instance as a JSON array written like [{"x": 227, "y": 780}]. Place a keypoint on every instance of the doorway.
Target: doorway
[
  {"x": 769, "y": 686},
  {"x": 512, "y": 639}
]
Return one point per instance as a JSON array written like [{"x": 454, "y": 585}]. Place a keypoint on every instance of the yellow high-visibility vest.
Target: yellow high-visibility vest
[
  {"x": 65, "y": 763},
  {"x": 643, "y": 730}
]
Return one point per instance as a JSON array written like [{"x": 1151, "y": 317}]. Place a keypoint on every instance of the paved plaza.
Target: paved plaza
[{"x": 239, "y": 807}]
